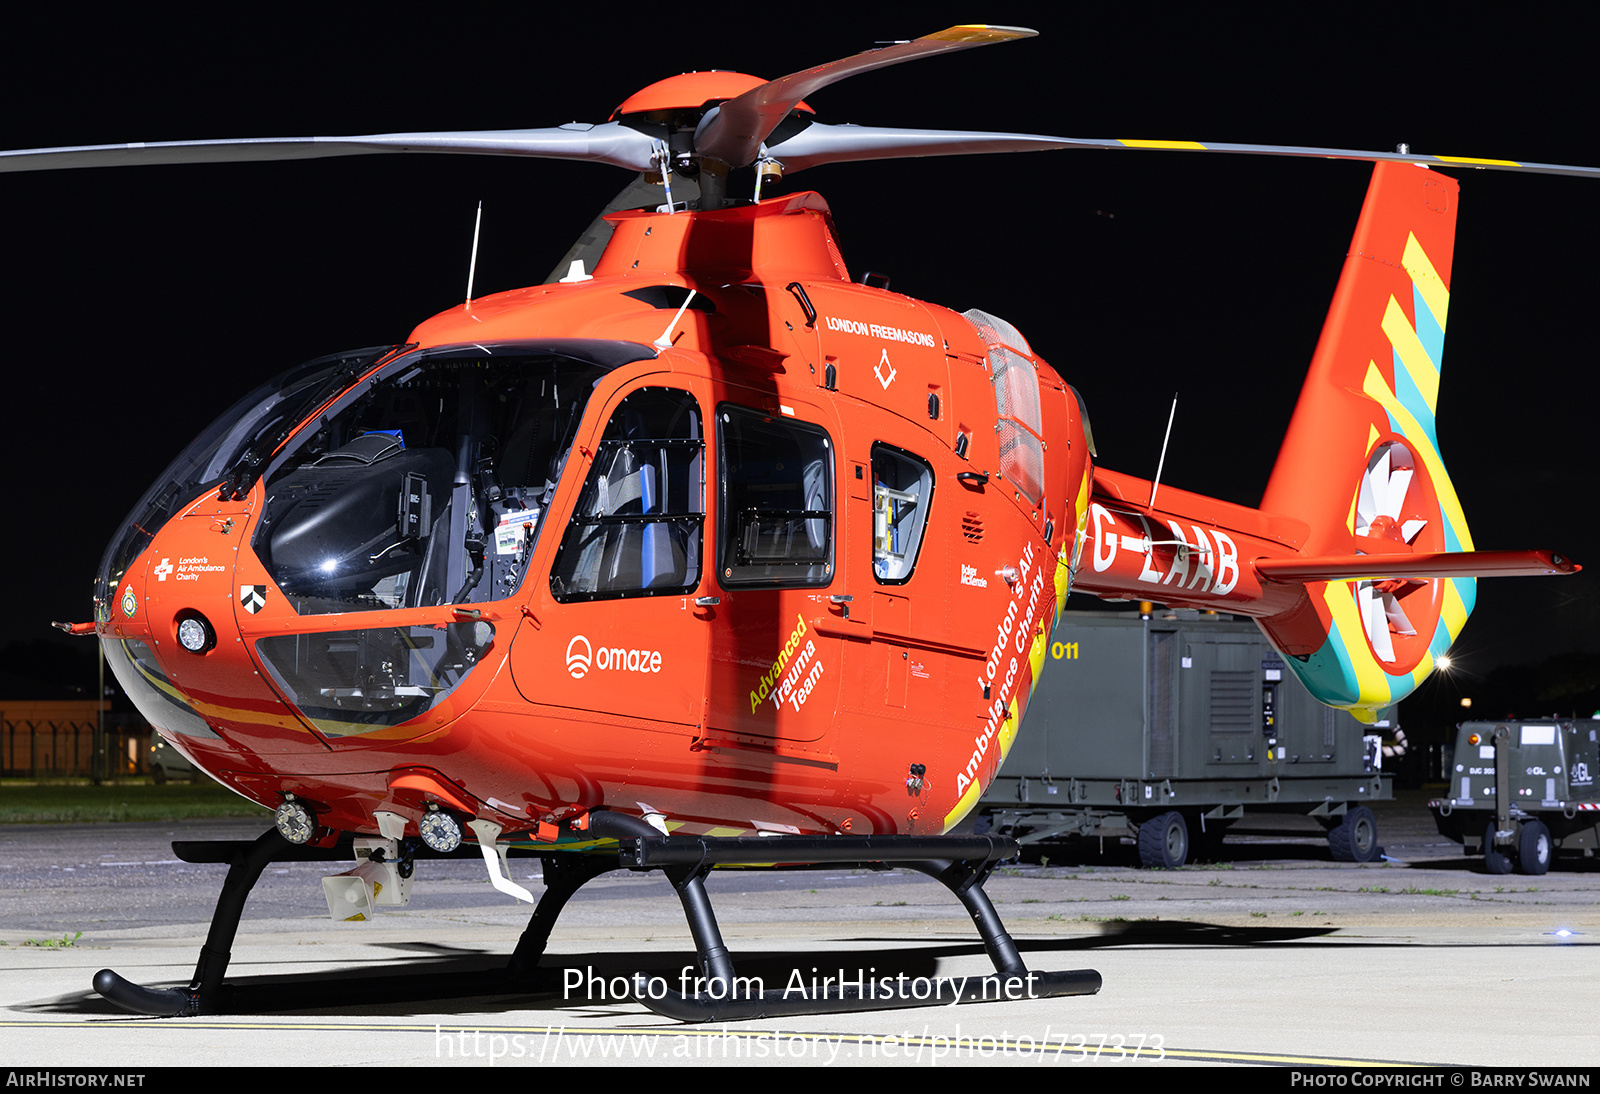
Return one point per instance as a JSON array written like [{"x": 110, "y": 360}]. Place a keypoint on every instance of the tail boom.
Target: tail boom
[
  {"x": 1194, "y": 552},
  {"x": 1359, "y": 565}
]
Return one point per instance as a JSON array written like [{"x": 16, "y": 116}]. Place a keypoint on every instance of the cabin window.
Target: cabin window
[
  {"x": 776, "y": 501},
  {"x": 1015, "y": 376},
  {"x": 902, "y": 487},
  {"x": 636, "y": 531}
]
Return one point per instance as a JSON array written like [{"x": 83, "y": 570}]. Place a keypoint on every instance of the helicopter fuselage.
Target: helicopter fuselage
[{"x": 713, "y": 533}]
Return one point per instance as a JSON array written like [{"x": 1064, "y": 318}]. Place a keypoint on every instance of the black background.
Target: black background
[{"x": 139, "y": 303}]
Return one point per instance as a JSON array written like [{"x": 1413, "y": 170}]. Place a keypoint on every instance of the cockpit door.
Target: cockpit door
[{"x": 615, "y": 628}]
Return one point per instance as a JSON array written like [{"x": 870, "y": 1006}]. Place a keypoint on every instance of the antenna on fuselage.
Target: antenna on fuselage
[
  {"x": 472, "y": 265},
  {"x": 665, "y": 341},
  {"x": 1156, "y": 485}
]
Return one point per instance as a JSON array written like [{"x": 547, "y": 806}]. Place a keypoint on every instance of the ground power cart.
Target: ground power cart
[
  {"x": 1523, "y": 792},
  {"x": 1169, "y": 729}
]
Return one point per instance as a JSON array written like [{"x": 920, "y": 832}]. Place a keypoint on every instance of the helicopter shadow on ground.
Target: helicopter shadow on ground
[
  {"x": 440, "y": 974},
  {"x": 1087, "y": 852},
  {"x": 435, "y": 975},
  {"x": 1181, "y": 934}
]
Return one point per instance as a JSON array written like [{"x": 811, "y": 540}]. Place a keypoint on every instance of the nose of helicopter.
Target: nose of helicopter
[{"x": 172, "y": 638}]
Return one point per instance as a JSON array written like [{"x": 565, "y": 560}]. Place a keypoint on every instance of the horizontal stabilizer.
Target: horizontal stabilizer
[{"x": 1424, "y": 566}]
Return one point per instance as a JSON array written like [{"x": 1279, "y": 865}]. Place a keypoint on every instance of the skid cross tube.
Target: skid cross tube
[
  {"x": 961, "y": 863},
  {"x": 564, "y": 875},
  {"x": 966, "y": 882}
]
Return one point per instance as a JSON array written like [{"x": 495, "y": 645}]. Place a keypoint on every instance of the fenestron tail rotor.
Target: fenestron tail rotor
[{"x": 1387, "y": 516}]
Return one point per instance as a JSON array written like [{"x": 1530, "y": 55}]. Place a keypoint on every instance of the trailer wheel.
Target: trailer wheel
[
  {"x": 1533, "y": 848},
  {"x": 1495, "y": 859},
  {"x": 1164, "y": 842},
  {"x": 1355, "y": 839}
]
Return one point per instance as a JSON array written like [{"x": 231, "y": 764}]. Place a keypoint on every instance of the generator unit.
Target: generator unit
[
  {"x": 1170, "y": 726},
  {"x": 1523, "y": 792}
]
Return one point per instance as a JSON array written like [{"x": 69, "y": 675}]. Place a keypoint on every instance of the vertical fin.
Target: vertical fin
[{"x": 1361, "y": 458}]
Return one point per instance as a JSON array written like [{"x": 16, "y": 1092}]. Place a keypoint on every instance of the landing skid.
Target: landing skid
[{"x": 961, "y": 864}]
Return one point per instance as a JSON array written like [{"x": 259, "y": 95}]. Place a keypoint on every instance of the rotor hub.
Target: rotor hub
[{"x": 691, "y": 91}]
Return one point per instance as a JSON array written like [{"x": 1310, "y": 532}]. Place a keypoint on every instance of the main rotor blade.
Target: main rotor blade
[
  {"x": 818, "y": 144},
  {"x": 733, "y": 132},
  {"x": 605, "y": 143},
  {"x": 1346, "y": 154},
  {"x": 610, "y": 142}
]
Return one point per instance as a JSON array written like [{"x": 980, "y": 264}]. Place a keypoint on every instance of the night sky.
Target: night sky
[{"x": 140, "y": 303}]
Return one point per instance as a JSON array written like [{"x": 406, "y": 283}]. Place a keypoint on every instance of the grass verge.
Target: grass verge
[{"x": 67, "y": 803}]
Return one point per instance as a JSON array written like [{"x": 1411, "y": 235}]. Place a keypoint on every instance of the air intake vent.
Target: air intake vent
[
  {"x": 972, "y": 526},
  {"x": 1233, "y": 702}
]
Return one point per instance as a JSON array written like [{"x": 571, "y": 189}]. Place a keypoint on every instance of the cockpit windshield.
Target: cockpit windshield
[
  {"x": 247, "y": 431},
  {"x": 428, "y": 484}
]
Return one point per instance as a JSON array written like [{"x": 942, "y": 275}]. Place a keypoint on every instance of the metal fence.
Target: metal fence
[{"x": 65, "y": 748}]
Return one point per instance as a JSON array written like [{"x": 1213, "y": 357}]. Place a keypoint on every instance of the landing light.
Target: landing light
[
  {"x": 195, "y": 634},
  {"x": 294, "y": 821},
  {"x": 440, "y": 831}
]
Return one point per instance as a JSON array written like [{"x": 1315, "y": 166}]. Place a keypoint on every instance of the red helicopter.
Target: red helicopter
[{"x": 710, "y": 550}]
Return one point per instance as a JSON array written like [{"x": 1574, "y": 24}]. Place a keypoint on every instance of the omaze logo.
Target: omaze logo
[{"x": 580, "y": 656}]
